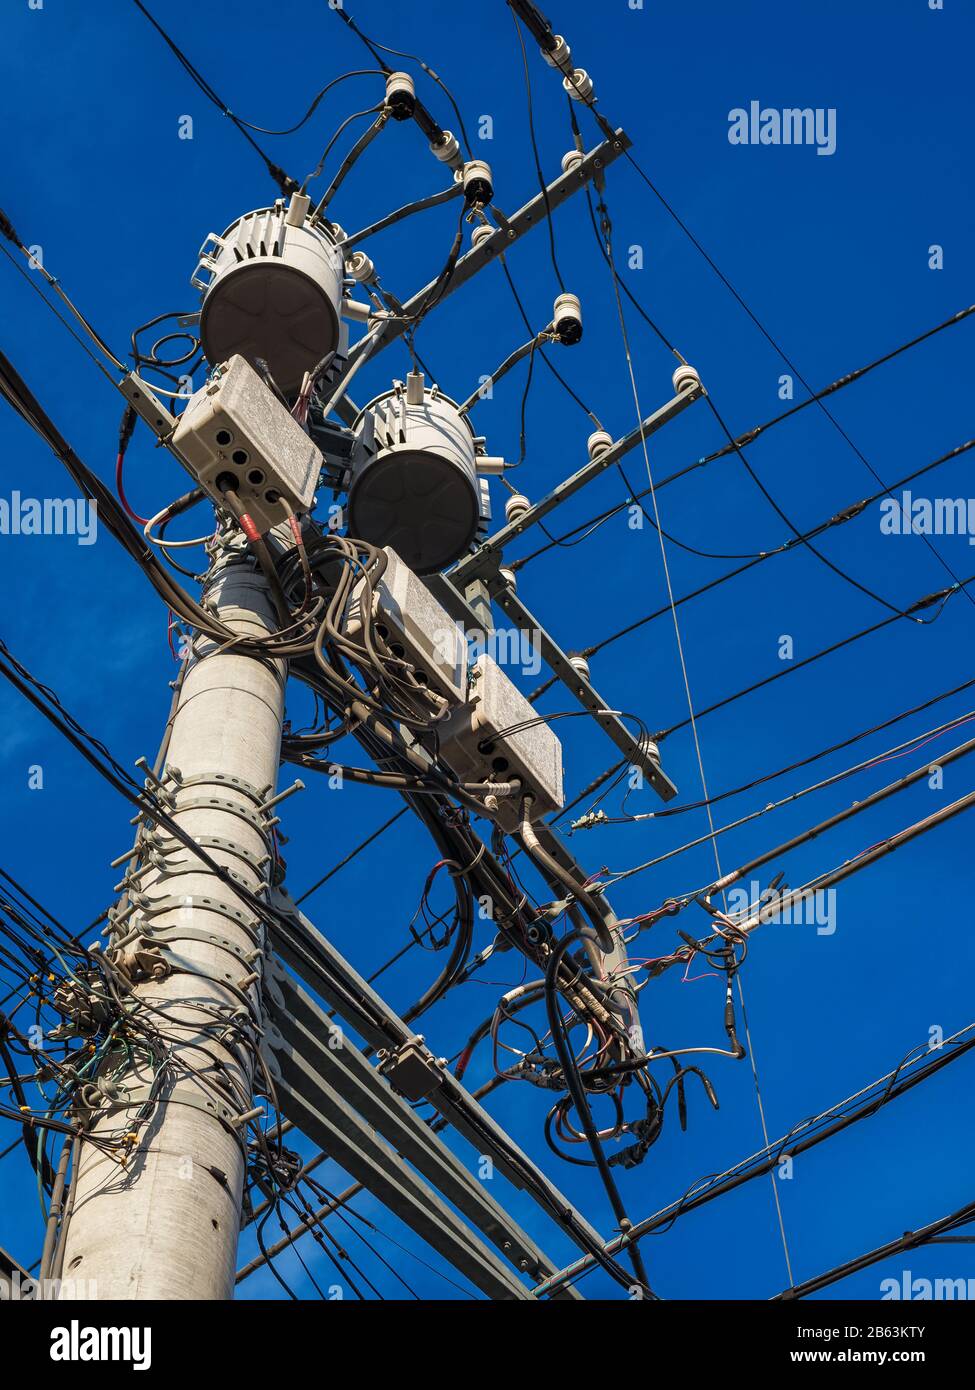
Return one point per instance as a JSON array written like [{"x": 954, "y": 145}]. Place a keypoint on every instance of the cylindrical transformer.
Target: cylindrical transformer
[
  {"x": 271, "y": 289},
  {"x": 414, "y": 478}
]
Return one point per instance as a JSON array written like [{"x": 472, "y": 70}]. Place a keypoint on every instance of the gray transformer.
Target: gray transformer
[
  {"x": 272, "y": 288},
  {"x": 414, "y": 482}
]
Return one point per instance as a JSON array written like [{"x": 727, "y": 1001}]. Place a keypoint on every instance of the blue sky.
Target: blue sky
[{"x": 832, "y": 254}]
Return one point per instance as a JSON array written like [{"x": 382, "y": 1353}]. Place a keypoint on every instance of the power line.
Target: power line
[
  {"x": 838, "y": 519},
  {"x": 784, "y": 356},
  {"x": 284, "y": 181},
  {"x": 803, "y": 1136},
  {"x": 910, "y": 1240}
]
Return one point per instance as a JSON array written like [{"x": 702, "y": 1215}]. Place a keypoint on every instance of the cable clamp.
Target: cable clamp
[{"x": 412, "y": 1070}]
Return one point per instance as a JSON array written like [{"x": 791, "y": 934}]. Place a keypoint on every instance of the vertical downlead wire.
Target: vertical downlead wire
[{"x": 690, "y": 701}]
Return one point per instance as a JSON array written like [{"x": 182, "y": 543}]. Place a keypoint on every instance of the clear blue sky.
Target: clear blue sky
[{"x": 832, "y": 253}]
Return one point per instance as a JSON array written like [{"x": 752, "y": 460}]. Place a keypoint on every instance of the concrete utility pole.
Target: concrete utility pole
[{"x": 165, "y": 1225}]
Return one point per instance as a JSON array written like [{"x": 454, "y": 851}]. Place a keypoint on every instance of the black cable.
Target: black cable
[
  {"x": 577, "y": 1091},
  {"x": 606, "y": 226},
  {"x": 421, "y": 115},
  {"x": 535, "y": 155},
  {"x": 286, "y": 184},
  {"x": 847, "y": 514},
  {"x": 781, "y": 353}
]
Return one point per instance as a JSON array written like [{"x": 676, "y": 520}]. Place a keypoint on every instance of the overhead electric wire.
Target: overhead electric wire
[
  {"x": 628, "y": 154},
  {"x": 900, "y": 751},
  {"x": 910, "y": 1240},
  {"x": 630, "y": 157},
  {"x": 668, "y": 811},
  {"x": 840, "y": 518},
  {"x": 847, "y": 514},
  {"x": 865, "y": 803},
  {"x": 543, "y": 187},
  {"x": 352, "y": 854},
  {"x": 942, "y": 597},
  {"x": 284, "y": 181},
  {"x": 421, "y": 115},
  {"x": 794, "y": 1142},
  {"x": 692, "y": 718},
  {"x": 457, "y": 832}
]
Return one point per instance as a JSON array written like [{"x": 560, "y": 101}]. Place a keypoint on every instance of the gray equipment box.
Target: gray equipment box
[
  {"x": 474, "y": 745},
  {"x": 416, "y": 628},
  {"x": 236, "y": 426}
]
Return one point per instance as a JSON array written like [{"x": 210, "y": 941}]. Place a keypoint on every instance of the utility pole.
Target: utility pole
[{"x": 165, "y": 1223}]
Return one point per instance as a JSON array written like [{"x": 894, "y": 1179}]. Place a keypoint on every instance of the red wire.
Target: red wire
[{"x": 119, "y": 462}]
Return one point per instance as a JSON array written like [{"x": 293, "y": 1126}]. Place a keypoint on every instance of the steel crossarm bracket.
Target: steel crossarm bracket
[
  {"x": 316, "y": 961},
  {"x": 579, "y": 686},
  {"x": 320, "y": 1112},
  {"x": 299, "y": 1023},
  {"x": 11, "y": 1271},
  {"x": 483, "y": 562},
  {"x": 514, "y": 227}
]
